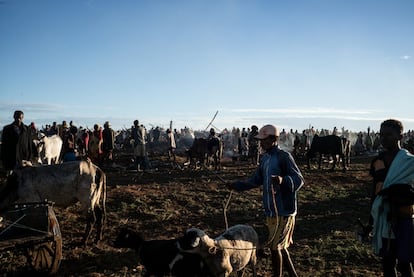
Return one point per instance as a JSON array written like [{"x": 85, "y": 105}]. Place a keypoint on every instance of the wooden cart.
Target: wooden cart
[{"x": 33, "y": 229}]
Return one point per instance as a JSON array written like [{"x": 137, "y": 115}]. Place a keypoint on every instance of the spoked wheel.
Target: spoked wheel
[{"x": 46, "y": 257}]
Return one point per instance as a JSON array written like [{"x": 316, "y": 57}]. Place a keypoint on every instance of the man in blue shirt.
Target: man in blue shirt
[{"x": 280, "y": 179}]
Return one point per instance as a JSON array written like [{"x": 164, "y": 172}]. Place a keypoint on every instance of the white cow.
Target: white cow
[
  {"x": 64, "y": 184},
  {"x": 49, "y": 148}
]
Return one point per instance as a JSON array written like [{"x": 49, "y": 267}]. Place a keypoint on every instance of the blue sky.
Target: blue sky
[{"x": 295, "y": 64}]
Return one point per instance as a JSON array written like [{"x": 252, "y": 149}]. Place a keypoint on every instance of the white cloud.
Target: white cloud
[
  {"x": 306, "y": 111},
  {"x": 406, "y": 57}
]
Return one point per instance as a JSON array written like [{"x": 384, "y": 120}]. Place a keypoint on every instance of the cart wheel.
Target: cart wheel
[{"x": 46, "y": 257}]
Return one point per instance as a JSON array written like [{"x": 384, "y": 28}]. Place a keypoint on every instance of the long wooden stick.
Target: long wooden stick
[{"x": 211, "y": 122}]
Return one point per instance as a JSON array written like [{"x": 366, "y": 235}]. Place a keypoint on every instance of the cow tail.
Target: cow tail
[
  {"x": 103, "y": 183},
  {"x": 102, "y": 219}
]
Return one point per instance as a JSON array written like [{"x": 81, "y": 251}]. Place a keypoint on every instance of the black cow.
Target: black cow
[
  {"x": 214, "y": 152},
  {"x": 330, "y": 145},
  {"x": 198, "y": 151},
  {"x": 206, "y": 151}
]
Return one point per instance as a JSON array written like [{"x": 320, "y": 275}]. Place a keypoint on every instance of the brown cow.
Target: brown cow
[{"x": 64, "y": 184}]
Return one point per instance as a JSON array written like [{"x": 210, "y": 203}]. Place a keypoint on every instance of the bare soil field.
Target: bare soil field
[{"x": 165, "y": 202}]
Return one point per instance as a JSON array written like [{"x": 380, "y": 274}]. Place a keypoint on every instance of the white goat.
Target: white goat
[{"x": 231, "y": 251}]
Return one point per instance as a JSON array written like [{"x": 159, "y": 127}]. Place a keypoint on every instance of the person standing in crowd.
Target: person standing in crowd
[
  {"x": 33, "y": 128},
  {"x": 53, "y": 130},
  {"x": 243, "y": 145},
  {"x": 280, "y": 178},
  {"x": 156, "y": 134},
  {"x": 171, "y": 145},
  {"x": 84, "y": 142},
  {"x": 138, "y": 134},
  {"x": 73, "y": 129},
  {"x": 393, "y": 206},
  {"x": 16, "y": 143},
  {"x": 212, "y": 141},
  {"x": 69, "y": 145},
  {"x": 95, "y": 145},
  {"x": 108, "y": 143},
  {"x": 253, "y": 145},
  {"x": 34, "y": 136},
  {"x": 63, "y": 129}
]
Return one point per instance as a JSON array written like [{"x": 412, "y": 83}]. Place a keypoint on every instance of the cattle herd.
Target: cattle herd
[{"x": 195, "y": 253}]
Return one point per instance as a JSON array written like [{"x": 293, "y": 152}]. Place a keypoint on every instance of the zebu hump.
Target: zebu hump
[{"x": 87, "y": 167}]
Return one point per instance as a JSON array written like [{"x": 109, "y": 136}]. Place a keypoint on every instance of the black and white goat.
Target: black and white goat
[
  {"x": 231, "y": 251},
  {"x": 162, "y": 257}
]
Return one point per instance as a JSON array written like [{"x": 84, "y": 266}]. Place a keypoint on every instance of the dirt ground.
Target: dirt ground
[{"x": 165, "y": 202}]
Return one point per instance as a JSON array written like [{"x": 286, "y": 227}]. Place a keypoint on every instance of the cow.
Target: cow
[
  {"x": 206, "y": 152},
  {"x": 331, "y": 144},
  {"x": 214, "y": 152},
  {"x": 64, "y": 184},
  {"x": 197, "y": 153},
  {"x": 49, "y": 148}
]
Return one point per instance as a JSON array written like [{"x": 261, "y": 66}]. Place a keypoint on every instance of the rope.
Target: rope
[
  {"x": 225, "y": 209},
  {"x": 227, "y": 203},
  {"x": 213, "y": 250},
  {"x": 269, "y": 241}
]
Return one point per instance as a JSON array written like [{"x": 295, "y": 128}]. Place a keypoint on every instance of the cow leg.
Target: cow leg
[
  {"x": 320, "y": 161},
  {"x": 100, "y": 223},
  {"x": 335, "y": 160},
  {"x": 90, "y": 222},
  {"x": 218, "y": 163},
  {"x": 215, "y": 162},
  {"x": 344, "y": 162}
]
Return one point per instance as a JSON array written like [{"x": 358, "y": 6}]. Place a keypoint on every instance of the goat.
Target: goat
[
  {"x": 230, "y": 251},
  {"x": 161, "y": 257}
]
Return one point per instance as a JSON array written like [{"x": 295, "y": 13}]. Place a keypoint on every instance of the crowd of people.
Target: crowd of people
[
  {"x": 96, "y": 144},
  {"x": 392, "y": 213},
  {"x": 18, "y": 142}
]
